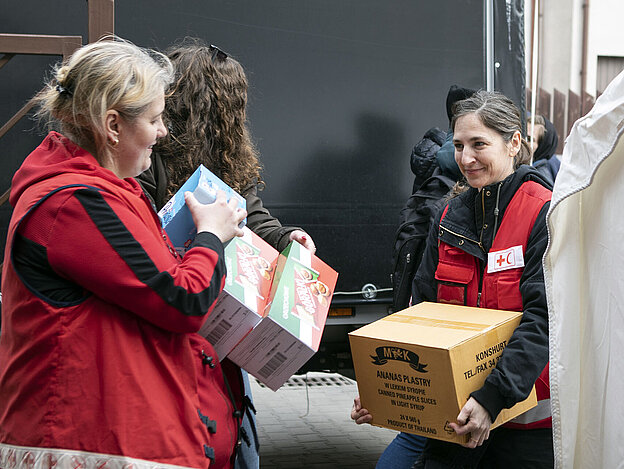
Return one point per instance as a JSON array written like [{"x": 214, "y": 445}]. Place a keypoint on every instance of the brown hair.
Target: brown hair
[
  {"x": 206, "y": 115},
  {"x": 497, "y": 112}
]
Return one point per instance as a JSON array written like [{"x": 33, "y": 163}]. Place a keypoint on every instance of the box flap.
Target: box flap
[{"x": 436, "y": 324}]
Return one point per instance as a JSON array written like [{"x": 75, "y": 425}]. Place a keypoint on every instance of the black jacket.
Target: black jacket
[
  {"x": 265, "y": 225},
  {"x": 259, "y": 219},
  {"x": 526, "y": 354},
  {"x": 423, "y": 158}
]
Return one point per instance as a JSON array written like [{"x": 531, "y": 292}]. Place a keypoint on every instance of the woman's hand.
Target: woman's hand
[
  {"x": 358, "y": 414},
  {"x": 304, "y": 239},
  {"x": 475, "y": 420},
  {"x": 220, "y": 217}
]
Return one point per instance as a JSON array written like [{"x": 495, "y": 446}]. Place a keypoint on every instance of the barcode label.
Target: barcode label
[
  {"x": 215, "y": 335},
  {"x": 272, "y": 365}
]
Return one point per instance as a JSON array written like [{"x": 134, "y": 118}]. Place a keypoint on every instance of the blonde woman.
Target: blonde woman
[{"x": 98, "y": 352}]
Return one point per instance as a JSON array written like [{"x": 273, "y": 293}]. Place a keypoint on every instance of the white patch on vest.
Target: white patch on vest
[{"x": 511, "y": 258}]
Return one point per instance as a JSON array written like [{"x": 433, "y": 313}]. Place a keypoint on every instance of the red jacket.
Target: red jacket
[
  {"x": 460, "y": 280},
  {"x": 98, "y": 353}
]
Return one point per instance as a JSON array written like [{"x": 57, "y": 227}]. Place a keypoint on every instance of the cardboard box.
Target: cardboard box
[
  {"x": 250, "y": 263},
  {"x": 416, "y": 368},
  {"x": 291, "y": 329},
  {"x": 175, "y": 216}
]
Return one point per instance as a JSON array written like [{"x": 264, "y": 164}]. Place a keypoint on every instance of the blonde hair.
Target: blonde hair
[{"x": 108, "y": 74}]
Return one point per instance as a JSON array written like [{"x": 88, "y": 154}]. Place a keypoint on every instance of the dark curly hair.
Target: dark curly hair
[{"x": 206, "y": 116}]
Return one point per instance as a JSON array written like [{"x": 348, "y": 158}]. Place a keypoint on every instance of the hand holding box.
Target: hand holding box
[{"x": 175, "y": 216}]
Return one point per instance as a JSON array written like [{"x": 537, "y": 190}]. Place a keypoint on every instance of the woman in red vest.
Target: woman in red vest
[{"x": 486, "y": 250}]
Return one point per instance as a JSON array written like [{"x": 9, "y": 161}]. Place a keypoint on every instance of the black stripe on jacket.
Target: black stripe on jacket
[
  {"x": 133, "y": 254},
  {"x": 30, "y": 261}
]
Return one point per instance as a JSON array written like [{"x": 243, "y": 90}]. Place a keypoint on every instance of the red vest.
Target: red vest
[{"x": 458, "y": 281}]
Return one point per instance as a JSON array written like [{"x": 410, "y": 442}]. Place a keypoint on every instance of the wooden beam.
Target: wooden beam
[
  {"x": 34, "y": 44},
  {"x": 4, "y": 197},
  {"x": 18, "y": 115},
  {"x": 39, "y": 44},
  {"x": 101, "y": 19},
  {"x": 559, "y": 115},
  {"x": 5, "y": 58},
  {"x": 543, "y": 103},
  {"x": 574, "y": 109},
  {"x": 587, "y": 102}
]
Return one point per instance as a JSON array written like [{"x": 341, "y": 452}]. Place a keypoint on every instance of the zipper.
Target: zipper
[
  {"x": 481, "y": 245},
  {"x": 482, "y": 271},
  {"x": 496, "y": 211},
  {"x": 483, "y": 219},
  {"x": 478, "y": 243}
]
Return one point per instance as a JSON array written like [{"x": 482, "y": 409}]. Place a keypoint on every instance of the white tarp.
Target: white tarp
[{"x": 584, "y": 274}]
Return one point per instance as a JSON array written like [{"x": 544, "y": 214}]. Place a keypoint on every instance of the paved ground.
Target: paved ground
[{"x": 309, "y": 426}]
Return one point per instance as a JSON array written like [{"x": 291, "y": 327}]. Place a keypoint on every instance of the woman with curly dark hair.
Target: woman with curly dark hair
[{"x": 206, "y": 115}]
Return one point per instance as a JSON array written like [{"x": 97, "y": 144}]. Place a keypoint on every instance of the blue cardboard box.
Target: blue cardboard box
[{"x": 175, "y": 216}]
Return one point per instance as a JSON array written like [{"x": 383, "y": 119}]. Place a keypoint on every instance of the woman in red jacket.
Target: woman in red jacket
[{"x": 98, "y": 351}]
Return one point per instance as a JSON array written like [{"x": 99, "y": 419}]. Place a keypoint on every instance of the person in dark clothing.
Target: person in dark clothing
[
  {"x": 206, "y": 116},
  {"x": 423, "y": 158},
  {"x": 435, "y": 151},
  {"x": 446, "y": 154},
  {"x": 544, "y": 140}
]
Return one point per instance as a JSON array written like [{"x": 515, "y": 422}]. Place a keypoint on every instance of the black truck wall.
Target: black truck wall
[{"x": 340, "y": 92}]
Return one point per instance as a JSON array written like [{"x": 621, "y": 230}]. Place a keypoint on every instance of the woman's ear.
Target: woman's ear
[
  {"x": 111, "y": 126},
  {"x": 515, "y": 143}
]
